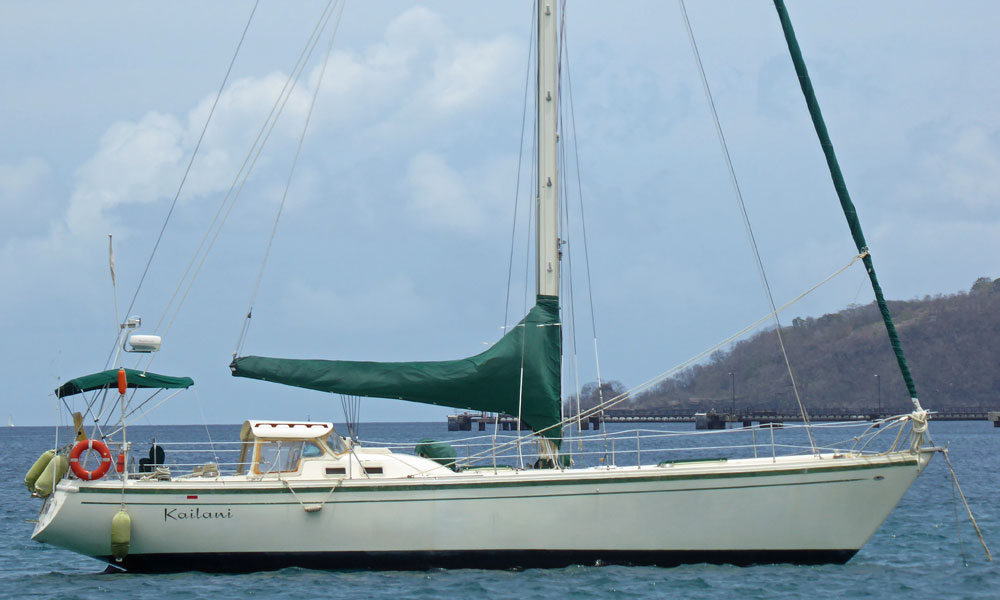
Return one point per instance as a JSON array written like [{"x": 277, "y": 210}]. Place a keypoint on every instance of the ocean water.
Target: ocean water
[{"x": 918, "y": 552}]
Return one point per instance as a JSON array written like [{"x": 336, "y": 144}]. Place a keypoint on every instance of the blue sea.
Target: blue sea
[{"x": 919, "y": 551}]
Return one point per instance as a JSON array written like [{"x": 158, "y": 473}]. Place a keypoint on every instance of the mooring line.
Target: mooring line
[{"x": 989, "y": 556}]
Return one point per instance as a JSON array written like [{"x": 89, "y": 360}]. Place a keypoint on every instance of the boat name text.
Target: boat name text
[{"x": 183, "y": 514}]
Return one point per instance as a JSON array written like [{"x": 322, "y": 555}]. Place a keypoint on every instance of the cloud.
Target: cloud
[
  {"x": 381, "y": 89},
  {"x": 421, "y": 75},
  {"x": 377, "y": 307},
  {"x": 470, "y": 201},
  {"x": 16, "y": 180},
  {"x": 24, "y": 202},
  {"x": 376, "y": 103},
  {"x": 439, "y": 196},
  {"x": 135, "y": 163},
  {"x": 470, "y": 73},
  {"x": 959, "y": 171}
]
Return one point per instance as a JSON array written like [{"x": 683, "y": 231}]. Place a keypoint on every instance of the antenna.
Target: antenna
[{"x": 142, "y": 344}]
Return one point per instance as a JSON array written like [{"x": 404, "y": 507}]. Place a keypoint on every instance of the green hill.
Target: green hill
[{"x": 844, "y": 361}]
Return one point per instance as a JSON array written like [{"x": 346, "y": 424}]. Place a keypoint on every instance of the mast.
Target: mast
[
  {"x": 521, "y": 373},
  {"x": 547, "y": 243}
]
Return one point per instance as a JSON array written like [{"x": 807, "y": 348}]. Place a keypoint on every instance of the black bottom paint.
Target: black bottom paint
[{"x": 243, "y": 562}]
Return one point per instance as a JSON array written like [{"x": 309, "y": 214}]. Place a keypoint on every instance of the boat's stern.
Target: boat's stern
[
  {"x": 63, "y": 522},
  {"x": 50, "y": 507}
]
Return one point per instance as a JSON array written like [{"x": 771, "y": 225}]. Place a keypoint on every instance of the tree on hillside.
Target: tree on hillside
[
  {"x": 591, "y": 395},
  {"x": 952, "y": 344}
]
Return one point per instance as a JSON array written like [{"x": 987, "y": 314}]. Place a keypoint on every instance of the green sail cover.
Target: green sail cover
[
  {"x": 490, "y": 381},
  {"x": 134, "y": 379},
  {"x": 440, "y": 452}
]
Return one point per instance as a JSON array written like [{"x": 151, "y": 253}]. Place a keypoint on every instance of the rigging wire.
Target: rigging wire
[
  {"x": 236, "y": 187},
  {"x": 524, "y": 338},
  {"x": 864, "y": 278},
  {"x": 187, "y": 170},
  {"x": 288, "y": 182},
  {"x": 517, "y": 186},
  {"x": 687, "y": 363},
  {"x": 250, "y": 161},
  {"x": 527, "y": 270},
  {"x": 746, "y": 219},
  {"x": 571, "y": 320},
  {"x": 735, "y": 336},
  {"x": 513, "y": 232},
  {"x": 352, "y": 414},
  {"x": 569, "y": 308},
  {"x": 586, "y": 249},
  {"x": 221, "y": 223},
  {"x": 204, "y": 421},
  {"x": 567, "y": 274}
]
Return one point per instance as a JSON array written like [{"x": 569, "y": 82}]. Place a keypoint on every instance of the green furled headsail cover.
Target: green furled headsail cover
[
  {"x": 490, "y": 381},
  {"x": 440, "y": 452},
  {"x": 134, "y": 379}
]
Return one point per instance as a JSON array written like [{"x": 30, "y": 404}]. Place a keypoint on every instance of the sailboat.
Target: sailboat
[{"x": 301, "y": 494}]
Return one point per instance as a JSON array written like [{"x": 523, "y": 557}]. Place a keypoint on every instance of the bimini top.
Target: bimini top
[
  {"x": 286, "y": 430},
  {"x": 109, "y": 379}
]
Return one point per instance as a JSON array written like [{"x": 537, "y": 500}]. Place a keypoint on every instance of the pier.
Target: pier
[
  {"x": 466, "y": 421},
  {"x": 715, "y": 420},
  {"x": 766, "y": 416}
]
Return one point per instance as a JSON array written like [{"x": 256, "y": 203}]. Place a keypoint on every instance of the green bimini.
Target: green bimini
[
  {"x": 520, "y": 374},
  {"x": 108, "y": 379}
]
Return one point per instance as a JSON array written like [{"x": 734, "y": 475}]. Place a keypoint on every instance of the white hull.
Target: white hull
[{"x": 792, "y": 509}]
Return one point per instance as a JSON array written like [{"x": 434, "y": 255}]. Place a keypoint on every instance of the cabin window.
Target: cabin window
[
  {"x": 246, "y": 455},
  {"x": 335, "y": 443},
  {"x": 278, "y": 457},
  {"x": 311, "y": 450}
]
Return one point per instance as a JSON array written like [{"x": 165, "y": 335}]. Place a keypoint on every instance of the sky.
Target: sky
[{"x": 395, "y": 237}]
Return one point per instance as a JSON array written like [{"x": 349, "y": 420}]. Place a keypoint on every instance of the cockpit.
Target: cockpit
[{"x": 271, "y": 447}]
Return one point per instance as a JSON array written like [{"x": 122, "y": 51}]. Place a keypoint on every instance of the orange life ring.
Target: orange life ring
[{"x": 99, "y": 447}]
